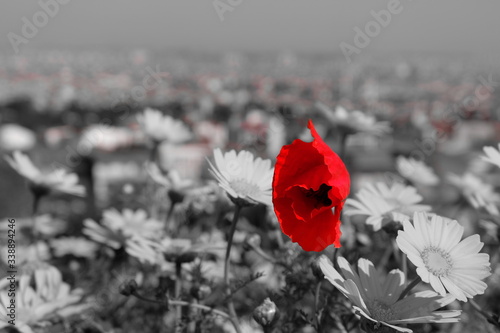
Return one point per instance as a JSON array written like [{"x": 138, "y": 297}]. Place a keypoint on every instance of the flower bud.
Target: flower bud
[
  {"x": 127, "y": 288},
  {"x": 266, "y": 314}
]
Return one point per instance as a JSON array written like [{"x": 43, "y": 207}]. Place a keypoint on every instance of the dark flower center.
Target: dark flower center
[{"x": 321, "y": 196}]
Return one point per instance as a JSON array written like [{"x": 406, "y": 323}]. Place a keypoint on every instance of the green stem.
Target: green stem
[
  {"x": 279, "y": 238},
  {"x": 405, "y": 265},
  {"x": 168, "y": 224},
  {"x": 408, "y": 288},
  {"x": 153, "y": 153},
  {"x": 34, "y": 230},
  {"x": 343, "y": 144},
  {"x": 178, "y": 286},
  {"x": 264, "y": 255},
  {"x": 335, "y": 255},
  {"x": 316, "y": 304},
  {"x": 485, "y": 314},
  {"x": 230, "y": 303},
  {"x": 183, "y": 303}
]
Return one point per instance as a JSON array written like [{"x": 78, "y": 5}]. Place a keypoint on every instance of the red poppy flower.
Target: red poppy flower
[{"x": 310, "y": 180}]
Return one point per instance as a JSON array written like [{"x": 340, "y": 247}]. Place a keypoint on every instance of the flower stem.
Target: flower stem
[
  {"x": 153, "y": 153},
  {"x": 230, "y": 304},
  {"x": 178, "y": 286},
  {"x": 408, "y": 288},
  {"x": 264, "y": 255},
  {"x": 405, "y": 265},
  {"x": 343, "y": 144},
  {"x": 316, "y": 304},
  {"x": 34, "y": 230},
  {"x": 485, "y": 314},
  {"x": 279, "y": 238},
  {"x": 184, "y": 303},
  {"x": 168, "y": 224},
  {"x": 201, "y": 307}
]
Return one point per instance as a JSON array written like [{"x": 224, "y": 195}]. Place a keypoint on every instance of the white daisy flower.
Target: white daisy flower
[
  {"x": 171, "y": 179},
  {"x": 477, "y": 193},
  {"x": 160, "y": 128},
  {"x": 116, "y": 228},
  {"x": 143, "y": 249},
  {"x": 443, "y": 260},
  {"x": 376, "y": 296},
  {"x": 416, "y": 171},
  {"x": 242, "y": 177},
  {"x": 492, "y": 155},
  {"x": 45, "y": 225},
  {"x": 76, "y": 246},
  {"x": 38, "y": 302},
  {"x": 27, "y": 253},
  {"x": 58, "y": 180},
  {"x": 105, "y": 138},
  {"x": 384, "y": 203},
  {"x": 351, "y": 122}
]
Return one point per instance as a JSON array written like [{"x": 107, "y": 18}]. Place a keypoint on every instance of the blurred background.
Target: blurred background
[{"x": 241, "y": 74}]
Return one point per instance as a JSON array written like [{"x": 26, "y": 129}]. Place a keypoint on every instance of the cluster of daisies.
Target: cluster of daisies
[{"x": 448, "y": 267}]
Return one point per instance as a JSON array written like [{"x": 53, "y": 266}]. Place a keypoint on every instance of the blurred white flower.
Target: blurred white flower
[
  {"x": 15, "y": 137},
  {"x": 106, "y": 138},
  {"x": 242, "y": 177},
  {"x": 76, "y": 246},
  {"x": 477, "y": 193},
  {"x": 48, "y": 297},
  {"x": 442, "y": 259},
  {"x": 203, "y": 200},
  {"x": 376, "y": 296},
  {"x": 171, "y": 179},
  {"x": 351, "y": 122},
  {"x": 27, "y": 253},
  {"x": 144, "y": 249},
  {"x": 416, "y": 171},
  {"x": 160, "y": 128},
  {"x": 45, "y": 225},
  {"x": 492, "y": 155},
  {"x": 116, "y": 228},
  {"x": 58, "y": 180},
  {"x": 384, "y": 203}
]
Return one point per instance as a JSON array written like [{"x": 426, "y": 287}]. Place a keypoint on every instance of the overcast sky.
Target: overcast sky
[{"x": 312, "y": 25}]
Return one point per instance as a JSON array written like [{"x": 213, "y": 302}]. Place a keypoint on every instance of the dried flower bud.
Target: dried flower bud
[
  {"x": 127, "y": 288},
  {"x": 266, "y": 314},
  {"x": 252, "y": 241}
]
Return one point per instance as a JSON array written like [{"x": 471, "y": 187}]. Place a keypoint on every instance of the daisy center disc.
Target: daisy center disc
[
  {"x": 437, "y": 261},
  {"x": 243, "y": 188},
  {"x": 381, "y": 311}
]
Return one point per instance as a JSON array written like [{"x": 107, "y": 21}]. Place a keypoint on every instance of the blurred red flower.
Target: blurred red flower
[{"x": 309, "y": 180}]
